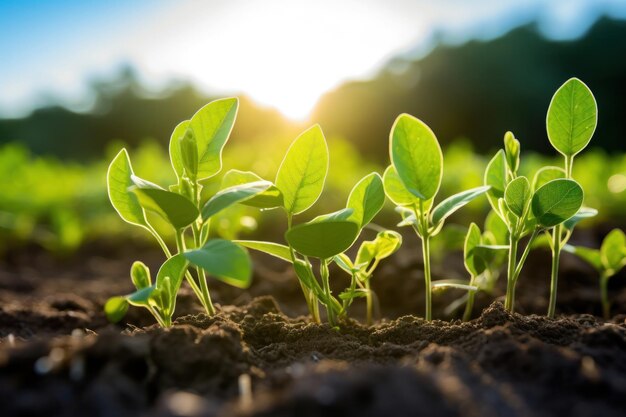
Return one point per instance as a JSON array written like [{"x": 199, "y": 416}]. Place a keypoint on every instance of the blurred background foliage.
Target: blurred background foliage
[{"x": 53, "y": 161}]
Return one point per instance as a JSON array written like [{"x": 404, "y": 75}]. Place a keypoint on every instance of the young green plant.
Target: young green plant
[
  {"x": 412, "y": 182},
  {"x": 299, "y": 182},
  {"x": 196, "y": 155},
  {"x": 608, "y": 261},
  {"x": 361, "y": 270},
  {"x": 527, "y": 209}
]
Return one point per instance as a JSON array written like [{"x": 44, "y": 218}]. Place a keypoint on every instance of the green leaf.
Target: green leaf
[
  {"x": 323, "y": 237},
  {"x": 496, "y": 229},
  {"x": 174, "y": 149},
  {"x": 511, "y": 150},
  {"x": 583, "y": 213},
  {"x": 268, "y": 199},
  {"x": 517, "y": 195},
  {"x": 572, "y": 117},
  {"x": 225, "y": 260},
  {"x": 366, "y": 198},
  {"x": 474, "y": 265},
  {"x": 232, "y": 195},
  {"x": 116, "y": 308},
  {"x": 495, "y": 177},
  {"x": 141, "y": 298},
  {"x": 613, "y": 250},
  {"x": 547, "y": 174},
  {"x": 385, "y": 244},
  {"x": 343, "y": 214},
  {"x": 416, "y": 155},
  {"x": 557, "y": 201},
  {"x": 344, "y": 263},
  {"x": 174, "y": 268},
  {"x": 302, "y": 172},
  {"x": 589, "y": 255},
  {"x": 140, "y": 275},
  {"x": 173, "y": 207},
  {"x": 212, "y": 125},
  {"x": 304, "y": 273},
  {"x": 490, "y": 253},
  {"x": 395, "y": 189},
  {"x": 189, "y": 153},
  {"x": 119, "y": 179},
  {"x": 451, "y": 204},
  {"x": 274, "y": 249},
  {"x": 169, "y": 278}
]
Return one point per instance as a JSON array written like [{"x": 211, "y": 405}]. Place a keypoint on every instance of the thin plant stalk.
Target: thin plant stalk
[
  {"x": 469, "y": 305},
  {"x": 557, "y": 242},
  {"x": 509, "y": 302}
]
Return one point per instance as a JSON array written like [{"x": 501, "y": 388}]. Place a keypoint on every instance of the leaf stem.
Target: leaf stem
[
  {"x": 469, "y": 306},
  {"x": 326, "y": 284},
  {"x": 554, "y": 274}
]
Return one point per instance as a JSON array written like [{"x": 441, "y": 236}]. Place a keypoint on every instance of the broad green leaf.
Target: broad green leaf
[
  {"x": 496, "y": 229},
  {"x": 140, "y": 275},
  {"x": 366, "y": 198},
  {"x": 557, "y": 201},
  {"x": 323, "y": 238},
  {"x": 395, "y": 189},
  {"x": 274, "y": 249},
  {"x": 225, "y": 260},
  {"x": 385, "y": 244},
  {"x": 174, "y": 268},
  {"x": 125, "y": 202},
  {"x": 451, "y": 204},
  {"x": 547, "y": 174},
  {"x": 173, "y": 207},
  {"x": 517, "y": 195},
  {"x": 116, "y": 308},
  {"x": 495, "y": 177},
  {"x": 212, "y": 125},
  {"x": 416, "y": 155},
  {"x": 232, "y": 195},
  {"x": 572, "y": 117},
  {"x": 589, "y": 255},
  {"x": 511, "y": 150},
  {"x": 583, "y": 213},
  {"x": 268, "y": 199},
  {"x": 474, "y": 265},
  {"x": 302, "y": 173},
  {"x": 141, "y": 298},
  {"x": 613, "y": 250},
  {"x": 174, "y": 148}
]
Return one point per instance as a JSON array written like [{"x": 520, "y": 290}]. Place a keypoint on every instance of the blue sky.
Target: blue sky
[{"x": 283, "y": 53}]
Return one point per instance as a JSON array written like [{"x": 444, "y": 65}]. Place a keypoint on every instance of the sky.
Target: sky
[{"x": 282, "y": 53}]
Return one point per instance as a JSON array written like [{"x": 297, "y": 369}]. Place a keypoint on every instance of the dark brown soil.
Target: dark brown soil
[{"x": 59, "y": 356}]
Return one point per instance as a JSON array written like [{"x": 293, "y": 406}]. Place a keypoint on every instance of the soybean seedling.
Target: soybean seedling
[
  {"x": 529, "y": 209},
  {"x": 412, "y": 182},
  {"x": 299, "y": 182},
  {"x": 571, "y": 121},
  {"x": 608, "y": 261},
  {"x": 196, "y": 154},
  {"x": 361, "y": 270}
]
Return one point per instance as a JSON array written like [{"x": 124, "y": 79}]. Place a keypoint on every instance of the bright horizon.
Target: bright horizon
[{"x": 281, "y": 53}]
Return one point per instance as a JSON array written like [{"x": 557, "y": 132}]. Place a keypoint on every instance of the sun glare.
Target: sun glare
[{"x": 282, "y": 53}]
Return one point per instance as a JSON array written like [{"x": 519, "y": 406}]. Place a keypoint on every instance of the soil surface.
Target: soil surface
[{"x": 262, "y": 356}]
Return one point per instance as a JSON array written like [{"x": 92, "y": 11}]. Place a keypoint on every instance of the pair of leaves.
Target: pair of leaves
[{"x": 211, "y": 127}]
